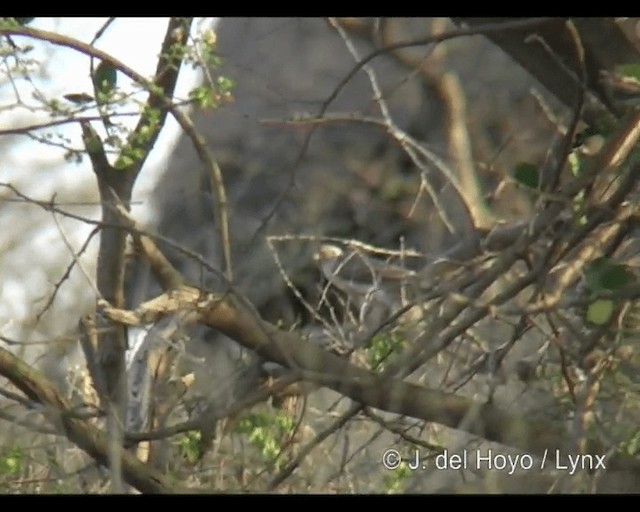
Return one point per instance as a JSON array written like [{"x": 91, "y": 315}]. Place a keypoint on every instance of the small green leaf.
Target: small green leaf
[
  {"x": 632, "y": 446},
  {"x": 575, "y": 163},
  {"x": 629, "y": 71},
  {"x": 105, "y": 78},
  {"x": 11, "y": 462},
  {"x": 604, "y": 274},
  {"x": 225, "y": 84},
  {"x": 190, "y": 446},
  {"x": 599, "y": 311},
  {"x": 123, "y": 162},
  {"x": 382, "y": 349},
  {"x": 203, "y": 97},
  {"x": 93, "y": 145},
  {"x": 527, "y": 175},
  {"x": 617, "y": 278}
]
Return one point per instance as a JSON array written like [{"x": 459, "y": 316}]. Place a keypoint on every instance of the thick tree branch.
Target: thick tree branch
[
  {"x": 230, "y": 315},
  {"x": 79, "y": 431},
  {"x": 546, "y": 51},
  {"x": 105, "y": 344}
]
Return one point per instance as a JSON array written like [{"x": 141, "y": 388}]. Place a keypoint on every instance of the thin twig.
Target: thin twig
[
  {"x": 102, "y": 30},
  {"x": 438, "y": 38},
  {"x": 399, "y": 135},
  {"x": 29, "y": 425},
  {"x": 75, "y": 261},
  {"x": 199, "y": 143}
]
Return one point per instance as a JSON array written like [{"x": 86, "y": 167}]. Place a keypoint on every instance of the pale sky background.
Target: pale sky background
[{"x": 33, "y": 252}]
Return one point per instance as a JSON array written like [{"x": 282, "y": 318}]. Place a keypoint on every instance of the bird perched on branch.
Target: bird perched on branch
[
  {"x": 378, "y": 288},
  {"x": 373, "y": 286},
  {"x": 354, "y": 271},
  {"x": 360, "y": 278}
]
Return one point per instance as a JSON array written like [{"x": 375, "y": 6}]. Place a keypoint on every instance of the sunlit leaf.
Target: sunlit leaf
[
  {"x": 629, "y": 71},
  {"x": 225, "y": 84},
  {"x": 599, "y": 311},
  {"x": 123, "y": 162}
]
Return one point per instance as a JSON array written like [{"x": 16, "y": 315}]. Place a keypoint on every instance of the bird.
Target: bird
[
  {"x": 356, "y": 271},
  {"x": 359, "y": 278},
  {"x": 378, "y": 288},
  {"x": 375, "y": 286}
]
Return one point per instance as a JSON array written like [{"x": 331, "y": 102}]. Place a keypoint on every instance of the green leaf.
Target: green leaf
[
  {"x": 93, "y": 145},
  {"x": 599, "y": 311},
  {"x": 383, "y": 348},
  {"x": 604, "y": 274},
  {"x": 190, "y": 446},
  {"x": 632, "y": 445},
  {"x": 527, "y": 175},
  {"x": 225, "y": 84},
  {"x": 203, "y": 97},
  {"x": 629, "y": 71},
  {"x": 123, "y": 162},
  {"x": 105, "y": 78},
  {"x": 575, "y": 163},
  {"x": 11, "y": 462}
]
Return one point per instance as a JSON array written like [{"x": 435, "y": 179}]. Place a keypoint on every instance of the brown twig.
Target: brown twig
[{"x": 79, "y": 431}]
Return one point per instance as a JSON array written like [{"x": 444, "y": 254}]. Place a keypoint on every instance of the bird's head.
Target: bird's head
[{"x": 328, "y": 252}]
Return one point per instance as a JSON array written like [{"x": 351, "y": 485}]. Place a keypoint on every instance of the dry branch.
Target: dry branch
[
  {"x": 79, "y": 431},
  {"x": 233, "y": 316}
]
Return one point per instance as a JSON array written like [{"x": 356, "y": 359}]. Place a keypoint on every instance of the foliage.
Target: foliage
[
  {"x": 11, "y": 461},
  {"x": 446, "y": 355},
  {"x": 396, "y": 480},
  {"x": 384, "y": 348},
  {"x": 527, "y": 175},
  {"x": 189, "y": 445},
  {"x": 267, "y": 432}
]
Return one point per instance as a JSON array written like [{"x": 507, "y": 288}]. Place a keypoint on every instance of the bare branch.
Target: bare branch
[{"x": 87, "y": 437}]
